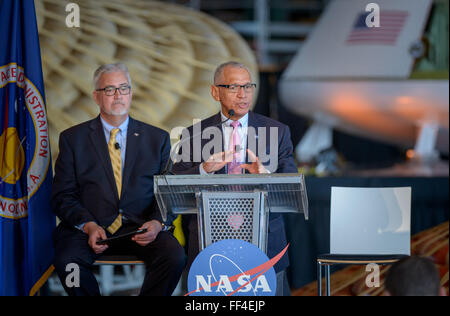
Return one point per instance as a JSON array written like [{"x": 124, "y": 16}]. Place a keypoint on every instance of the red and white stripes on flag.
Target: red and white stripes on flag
[{"x": 392, "y": 23}]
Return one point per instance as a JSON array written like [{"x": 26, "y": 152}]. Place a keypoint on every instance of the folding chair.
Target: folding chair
[
  {"x": 367, "y": 225},
  {"x": 131, "y": 279}
]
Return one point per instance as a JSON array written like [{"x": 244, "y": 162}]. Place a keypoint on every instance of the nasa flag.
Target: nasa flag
[{"x": 26, "y": 220}]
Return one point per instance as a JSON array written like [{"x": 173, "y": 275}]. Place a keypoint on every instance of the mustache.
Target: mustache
[{"x": 118, "y": 102}]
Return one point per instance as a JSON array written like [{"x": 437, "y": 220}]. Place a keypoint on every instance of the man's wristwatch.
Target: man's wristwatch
[{"x": 164, "y": 227}]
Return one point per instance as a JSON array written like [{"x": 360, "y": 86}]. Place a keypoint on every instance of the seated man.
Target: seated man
[{"x": 102, "y": 189}]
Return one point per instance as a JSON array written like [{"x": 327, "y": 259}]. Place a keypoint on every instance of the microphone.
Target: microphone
[
  {"x": 169, "y": 164},
  {"x": 230, "y": 115},
  {"x": 117, "y": 146}
]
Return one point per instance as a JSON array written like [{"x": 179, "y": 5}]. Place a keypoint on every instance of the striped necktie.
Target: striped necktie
[
  {"x": 234, "y": 167},
  {"x": 116, "y": 162}
]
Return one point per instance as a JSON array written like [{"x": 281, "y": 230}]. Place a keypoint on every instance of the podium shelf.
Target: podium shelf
[{"x": 177, "y": 194}]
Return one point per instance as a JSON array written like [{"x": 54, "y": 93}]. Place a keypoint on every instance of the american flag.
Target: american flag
[{"x": 391, "y": 24}]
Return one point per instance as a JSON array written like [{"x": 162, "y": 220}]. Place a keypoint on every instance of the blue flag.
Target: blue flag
[{"x": 26, "y": 220}]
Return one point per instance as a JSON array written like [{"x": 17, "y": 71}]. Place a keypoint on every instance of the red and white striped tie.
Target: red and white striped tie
[{"x": 235, "y": 139}]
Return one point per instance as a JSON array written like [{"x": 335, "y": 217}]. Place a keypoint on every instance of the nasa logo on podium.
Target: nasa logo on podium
[{"x": 233, "y": 267}]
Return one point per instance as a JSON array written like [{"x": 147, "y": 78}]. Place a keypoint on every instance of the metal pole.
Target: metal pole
[
  {"x": 319, "y": 278},
  {"x": 261, "y": 8},
  {"x": 327, "y": 280}
]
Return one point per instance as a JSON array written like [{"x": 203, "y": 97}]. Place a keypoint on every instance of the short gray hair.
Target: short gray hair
[
  {"x": 234, "y": 64},
  {"x": 107, "y": 68}
]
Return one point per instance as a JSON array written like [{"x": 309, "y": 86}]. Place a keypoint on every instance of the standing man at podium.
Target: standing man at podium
[
  {"x": 103, "y": 187},
  {"x": 234, "y": 89}
]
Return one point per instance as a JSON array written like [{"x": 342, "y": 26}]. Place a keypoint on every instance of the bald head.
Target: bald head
[{"x": 219, "y": 73}]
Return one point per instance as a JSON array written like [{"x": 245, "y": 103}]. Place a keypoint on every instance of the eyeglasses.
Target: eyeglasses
[
  {"x": 110, "y": 91},
  {"x": 234, "y": 88}
]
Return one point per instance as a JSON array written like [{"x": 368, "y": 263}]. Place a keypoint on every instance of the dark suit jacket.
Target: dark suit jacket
[
  {"x": 84, "y": 188},
  {"x": 286, "y": 164}
]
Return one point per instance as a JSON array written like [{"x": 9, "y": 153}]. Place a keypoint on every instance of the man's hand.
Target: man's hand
[
  {"x": 95, "y": 233},
  {"x": 218, "y": 161},
  {"x": 153, "y": 229},
  {"x": 256, "y": 166}
]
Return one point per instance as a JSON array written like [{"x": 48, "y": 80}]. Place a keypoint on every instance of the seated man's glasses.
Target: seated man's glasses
[{"x": 110, "y": 90}]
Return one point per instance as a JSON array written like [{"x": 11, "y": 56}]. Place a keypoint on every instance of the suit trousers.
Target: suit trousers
[{"x": 164, "y": 260}]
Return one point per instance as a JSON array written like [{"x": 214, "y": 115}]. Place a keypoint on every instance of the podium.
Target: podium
[{"x": 231, "y": 206}]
